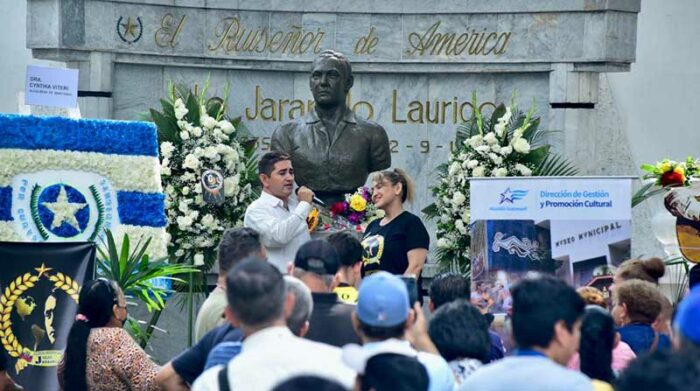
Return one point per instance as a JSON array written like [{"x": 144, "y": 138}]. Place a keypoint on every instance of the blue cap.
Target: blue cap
[
  {"x": 383, "y": 300},
  {"x": 688, "y": 316}
]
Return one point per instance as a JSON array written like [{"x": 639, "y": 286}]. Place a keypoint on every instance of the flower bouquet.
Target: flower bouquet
[
  {"x": 355, "y": 212},
  {"x": 666, "y": 175},
  {"x": 508, "y": 143},
  {"x": 196, "y": 136}
]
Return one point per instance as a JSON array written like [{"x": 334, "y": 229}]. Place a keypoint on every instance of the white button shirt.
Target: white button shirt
[
  {"x": 282, "y": 230},
  {"x": 274, "y": 355}
]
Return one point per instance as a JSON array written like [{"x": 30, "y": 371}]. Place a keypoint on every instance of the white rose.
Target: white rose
[
  {"x": 524, "y": 171},
  {"x": 500, "y": 172},
  {"x": 479, "y": 171},
  {"x": 199, "y": 259},
  {"x": 495, "y": 148},
  {"x": 499, "y": 129},
  {"x": 208, "y": 220},
  {"x": 166, "y": 149},
  {"x": 165, "y": 171},
  {"x": 183, "y": 125},
  {"x": 483, "y": 148},
  {"x": 232, "y": 156},
  {"x": 444, "y": 219},
  {"x": 179, "y": 253},
  {"x": 184, "y": 135},
  {"x": 472, "y": 163},
  {"x": 186, "y": 190},
  {"x": 226, "y": 127},
  {"x": 191, "y": 162},
  {"x": 443, "y": 243},
  {"x": 184, "y": 222},
  {"x": 521, "y": 145},
  {"x": 211, "y": 153},
  {"x": 505, "y": 151},
  {"x": 455, "y": 168},
  {"x": 209, "y": 122},
  {"x": 474, "y": 141},
  {"x": 198, "y": 152},
  {"x": 183, "y": 207},
  {"x": 169, "y": 189},
  {"x": 230, "y": 186},
  {"x": 490, "y": 138},
  {"x": 466, "y": 216},
  {"x": 193, "y": 215},
  {"x": 495, "y": 158},
  {"x": 458, "y": 198},
  {"x": 180, "y": 109},
  {"x": 460, "y": 227},
  {"x": 197, "y": 132}
]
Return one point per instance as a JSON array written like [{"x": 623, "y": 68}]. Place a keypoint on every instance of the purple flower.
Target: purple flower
[
  {"x": 356, "y": 217},
  {"x": 366, "y": 193}
]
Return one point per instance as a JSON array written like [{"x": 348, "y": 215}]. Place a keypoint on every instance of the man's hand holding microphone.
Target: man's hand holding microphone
[{"x": 306, "y": 194}]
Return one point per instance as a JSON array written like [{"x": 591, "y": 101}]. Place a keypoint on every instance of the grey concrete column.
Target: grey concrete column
[{"x": 95, "y": 85}]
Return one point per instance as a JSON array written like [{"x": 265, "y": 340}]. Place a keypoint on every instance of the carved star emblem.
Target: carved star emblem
[
  {"x": 129, "y": 27},
  {"x": 43, "y": 269},
  {"x": 507, "y": 196},
  {"x": 64, "y": 211}
]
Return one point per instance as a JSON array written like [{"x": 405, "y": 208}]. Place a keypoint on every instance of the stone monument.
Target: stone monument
[{"x": 415, "y": 64}]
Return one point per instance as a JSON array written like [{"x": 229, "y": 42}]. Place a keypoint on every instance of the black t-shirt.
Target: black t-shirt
[
  {"x": 386, "y": 247},
  {"x": 190, "y": 363},
  {"x": 331, "y": 321}
]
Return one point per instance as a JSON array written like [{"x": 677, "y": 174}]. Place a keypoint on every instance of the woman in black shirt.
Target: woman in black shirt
[{"x": 397, "y": 243}]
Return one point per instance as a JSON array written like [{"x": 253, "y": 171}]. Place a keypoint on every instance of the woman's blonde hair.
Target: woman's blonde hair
[{"x": 395, "y": 177}]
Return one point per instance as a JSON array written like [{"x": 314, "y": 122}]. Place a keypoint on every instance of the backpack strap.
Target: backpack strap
[
  {"x": 223, "y": 379},
  {"x": 655, "y": 343}
]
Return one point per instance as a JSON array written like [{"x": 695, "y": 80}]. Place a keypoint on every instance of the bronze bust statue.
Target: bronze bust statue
[{"x": 332, "y": 150}]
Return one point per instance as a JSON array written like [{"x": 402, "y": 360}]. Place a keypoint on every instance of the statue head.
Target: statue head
[{"x": 331, "y": 79}]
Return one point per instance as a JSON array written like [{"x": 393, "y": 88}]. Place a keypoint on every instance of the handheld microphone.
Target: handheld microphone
[{"x": 316, "y": 199}]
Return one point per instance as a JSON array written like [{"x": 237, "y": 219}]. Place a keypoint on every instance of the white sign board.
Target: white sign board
[
  {"x": 56, "y": 87},
  {"x": 570, "y": 198}
]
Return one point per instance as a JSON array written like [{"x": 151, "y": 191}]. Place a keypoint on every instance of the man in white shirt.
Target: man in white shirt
[
  {"x": 270, "y": 354},
  {"x": 278, "y": 215}
]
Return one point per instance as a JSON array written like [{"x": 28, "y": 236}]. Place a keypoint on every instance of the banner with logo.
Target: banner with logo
[
  {"x": 39, "y": 287},
  {"x": 578, "y": 228},
  {"x": 69, "y": 180}
]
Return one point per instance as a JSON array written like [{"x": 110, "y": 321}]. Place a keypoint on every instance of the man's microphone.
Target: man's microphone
[{"x": 316, "y": 199}]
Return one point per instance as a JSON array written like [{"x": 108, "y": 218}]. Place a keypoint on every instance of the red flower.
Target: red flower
[
  {"x": 339, "y": 208},
  {"x": 672, "y": 178}
]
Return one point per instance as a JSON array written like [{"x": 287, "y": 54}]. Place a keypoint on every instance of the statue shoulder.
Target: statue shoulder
[{"x": 371, "y": 126}]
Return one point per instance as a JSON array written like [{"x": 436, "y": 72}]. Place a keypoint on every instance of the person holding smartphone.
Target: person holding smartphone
[{"x": 399, "y": 242}]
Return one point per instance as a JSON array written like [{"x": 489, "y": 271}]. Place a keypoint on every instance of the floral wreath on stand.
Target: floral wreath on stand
[
  {"x": 195, "y": 136},
  {"x": 508, "y": 143}
]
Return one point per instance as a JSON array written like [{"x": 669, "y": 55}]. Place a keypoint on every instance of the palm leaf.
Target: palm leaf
[{"x": 555, "y": 165}]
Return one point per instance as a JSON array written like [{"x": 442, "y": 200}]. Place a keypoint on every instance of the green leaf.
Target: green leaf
[
  {"x": 167, "y": 127},
  {"x": 192, "y": 109},
  {"x": 555, "y": 165},
  {"x": 431, "y": 211},
  {"x": 537, "y": 155}
]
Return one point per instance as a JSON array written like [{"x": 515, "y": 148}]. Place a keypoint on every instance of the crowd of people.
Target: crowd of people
[{"x": 292, "y": 313}]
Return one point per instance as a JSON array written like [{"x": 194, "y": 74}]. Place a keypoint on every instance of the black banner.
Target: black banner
[{"x": 39, "y": 286}]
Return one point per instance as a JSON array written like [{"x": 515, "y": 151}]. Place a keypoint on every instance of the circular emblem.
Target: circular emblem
[
  {"x": 63, "y": 210},
  {"x": 16, "y": 297},
  {"x": 129, "y": 31}
]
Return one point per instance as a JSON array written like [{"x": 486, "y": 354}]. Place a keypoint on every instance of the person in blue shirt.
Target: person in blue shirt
[
  {"x": 547, "y": 317},
  {"x": 637, "y": 304}
]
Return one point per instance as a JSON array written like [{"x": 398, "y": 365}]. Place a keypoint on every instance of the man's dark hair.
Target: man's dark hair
[
  {"x": 342, "y": 59},
  {"x": 661, "y": 370},
  {"x": 235, "y": 245},
  {"x": 459, "y": 331},
  {"x": 255, "y": 292},
  {"x": 538, "y": 304},
  {"x": 309, "y": 382},
  {"x": 694, "y": 276},
  {"x": 447, "y": 287},
  {"x": 382, "y": 333},
  {"x": 347, "y": 246},
  {"x": 394, "y": 372},
  {"x": 597, "y": 343},
  {"x": 267, "y": 162}
]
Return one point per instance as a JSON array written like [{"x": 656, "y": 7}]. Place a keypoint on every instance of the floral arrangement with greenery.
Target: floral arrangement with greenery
[{"x": 506, "y": 143}]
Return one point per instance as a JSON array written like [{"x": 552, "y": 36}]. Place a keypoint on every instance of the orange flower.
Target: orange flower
[{"x": 312, "y": 220}]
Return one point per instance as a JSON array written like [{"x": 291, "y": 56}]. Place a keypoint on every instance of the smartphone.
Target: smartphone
[{"x": 412, "y": 286}]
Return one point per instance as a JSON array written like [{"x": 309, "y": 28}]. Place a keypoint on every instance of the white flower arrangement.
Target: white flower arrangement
[
  {"x": 499, "y": 146},
  {"x": 195, "y": 137}
]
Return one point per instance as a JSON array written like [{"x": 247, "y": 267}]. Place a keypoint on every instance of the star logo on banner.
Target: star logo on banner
[
  {"x": 129, "y": 27},
  {"x": 64, "y": 211},
  {"x": 507, "y": 196},
  {"x": 43, "y": 269}
]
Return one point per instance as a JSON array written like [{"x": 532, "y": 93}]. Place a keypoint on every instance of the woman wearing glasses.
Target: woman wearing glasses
[{"x": 99, "y": 354}]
